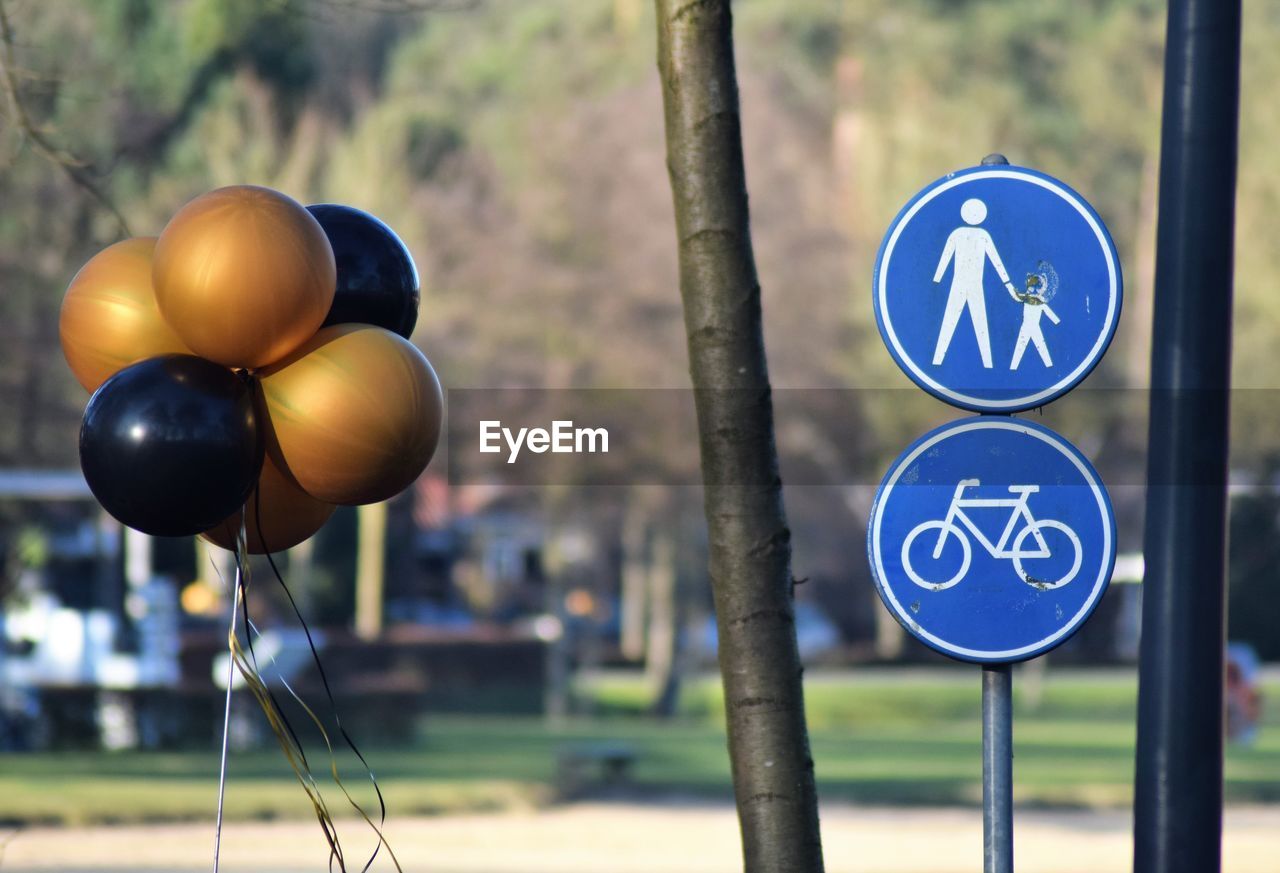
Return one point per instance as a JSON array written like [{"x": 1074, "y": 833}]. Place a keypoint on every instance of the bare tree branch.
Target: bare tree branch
[
  {"x": 154, "y": 139},
  {"x": 401, "y": 7},
  {"x": 71, "y": 166}
]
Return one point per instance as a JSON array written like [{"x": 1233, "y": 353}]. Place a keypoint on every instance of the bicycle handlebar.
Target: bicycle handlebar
[{"x": 1013, "y": 489}]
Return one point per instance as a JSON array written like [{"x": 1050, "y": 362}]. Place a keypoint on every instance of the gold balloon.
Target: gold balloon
[
  {"x": 286, "y": 513},
  {"x": 109, "y": 316},
  {"x": 354, "y": 414},
  {"x": 244, "y": 275}
]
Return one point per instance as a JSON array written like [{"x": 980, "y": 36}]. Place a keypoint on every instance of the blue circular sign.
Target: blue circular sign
[
  {"x": 997, "y": 289},
  {"x": 991, "y": 539}
]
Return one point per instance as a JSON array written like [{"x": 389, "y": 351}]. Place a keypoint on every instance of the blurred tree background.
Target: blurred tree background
[{"x": 517, "y": 148}]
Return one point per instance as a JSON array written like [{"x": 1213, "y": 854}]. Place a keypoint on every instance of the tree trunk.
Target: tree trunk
[
  {"x": 635, "y": 579},
  {"x": 1141, "y": 288},
  {"x": 298, "y": 574},
  {"x": 371, "y": 567},
  {"x": 662, "y": 652},
  {"x": 557, "y": 696},
  {"x": 750, "y": 544}
]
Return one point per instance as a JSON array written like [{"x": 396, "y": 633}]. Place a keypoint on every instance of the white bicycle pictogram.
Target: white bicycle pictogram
[{"x": 1032, "y": 527}]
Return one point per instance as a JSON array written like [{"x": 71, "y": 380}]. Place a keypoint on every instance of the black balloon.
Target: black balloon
[
  {"x": 171, "y": 445},
  {"x": 377, "y": 281}
]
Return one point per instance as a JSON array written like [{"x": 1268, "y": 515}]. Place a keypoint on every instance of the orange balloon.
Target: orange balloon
[
  {"x": 288, "y": 516},
  {"x": 244, "y": 275},
  {"x": 354, "y": 414},
  {"x": 109, "y": 316}
]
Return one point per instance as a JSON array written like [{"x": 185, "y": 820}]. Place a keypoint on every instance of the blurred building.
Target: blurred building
[{"x": 85, "y": 624}]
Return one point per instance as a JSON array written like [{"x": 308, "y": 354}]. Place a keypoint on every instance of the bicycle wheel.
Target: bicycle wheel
[
  {"x": 1038, "y": 580},
  {"x": 966, "y": 551}
]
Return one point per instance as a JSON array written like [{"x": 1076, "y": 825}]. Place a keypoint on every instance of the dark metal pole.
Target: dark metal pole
[
  {"x": 997, "y": 768},
  {"x": 1178, "y": 784}
]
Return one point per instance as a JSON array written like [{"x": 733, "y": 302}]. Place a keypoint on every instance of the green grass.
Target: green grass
[{"x": 878, "y": 737}]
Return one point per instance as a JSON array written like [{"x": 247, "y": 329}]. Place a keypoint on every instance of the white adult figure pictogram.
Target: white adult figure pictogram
[{"x": 970, "y": 247}]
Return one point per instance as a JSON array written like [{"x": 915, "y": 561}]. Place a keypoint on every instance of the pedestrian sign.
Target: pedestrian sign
[
  {"x": 991, "y": 539},
  {"x": 997, "y": 289}
]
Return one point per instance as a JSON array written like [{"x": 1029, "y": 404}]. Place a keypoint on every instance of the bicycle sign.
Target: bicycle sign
[
  {"x": 991, "y": 539},
  {"x": 947, "y": 527}
]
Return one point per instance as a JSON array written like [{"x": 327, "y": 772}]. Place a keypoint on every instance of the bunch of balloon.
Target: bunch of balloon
[{"x": 250, "y": 365}]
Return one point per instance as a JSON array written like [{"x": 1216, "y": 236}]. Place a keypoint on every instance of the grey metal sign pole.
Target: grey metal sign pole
[
  {"x": 997, "y": 768},
  {"x": 997, "y": 741}
]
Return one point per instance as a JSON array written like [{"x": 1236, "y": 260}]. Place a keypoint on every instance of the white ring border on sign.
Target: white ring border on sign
[
  {"x": 1066, "y": 383},
  {"x": 1108, "y": 540}
]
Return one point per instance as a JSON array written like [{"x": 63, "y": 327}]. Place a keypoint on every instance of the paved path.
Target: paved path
[{"x": 630, "y": 838}]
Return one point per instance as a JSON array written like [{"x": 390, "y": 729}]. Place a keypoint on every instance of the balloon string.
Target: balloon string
[
  {"x": 279, "y": 723},
  {"x": 250, "y": 632},
  {"x": 226, "y": 713},
  {"x": 333, "y": 707},
  {"x": 292, "y": 753},
  {"x": 9, "y": 838},
  {"x": 382, "y": 841}
]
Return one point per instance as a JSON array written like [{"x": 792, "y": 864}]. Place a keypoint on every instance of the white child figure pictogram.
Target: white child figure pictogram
[
  {"x": 1035, "y": 303},
  {"x": 970, "y": 247}
]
